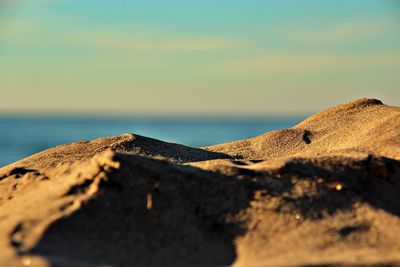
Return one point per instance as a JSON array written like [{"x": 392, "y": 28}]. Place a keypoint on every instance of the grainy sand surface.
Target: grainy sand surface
[{"x": 323, "y": 193}]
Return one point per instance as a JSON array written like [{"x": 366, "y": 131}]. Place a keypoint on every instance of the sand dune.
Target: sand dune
[
  {"x": 323, "y": 193},
  {"x": 365, "y": 125}
]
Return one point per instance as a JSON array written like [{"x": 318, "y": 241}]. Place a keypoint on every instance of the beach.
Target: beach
[{"x": 321, "y": 193}]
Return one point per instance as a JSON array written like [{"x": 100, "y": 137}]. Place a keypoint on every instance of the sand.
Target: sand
[{"x": 323, "y": 193}]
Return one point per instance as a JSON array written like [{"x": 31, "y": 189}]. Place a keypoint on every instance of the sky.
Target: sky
[{"x": 230, "y": 57}]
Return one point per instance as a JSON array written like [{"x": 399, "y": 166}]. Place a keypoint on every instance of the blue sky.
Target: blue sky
[{"x": 196, "y": 57}]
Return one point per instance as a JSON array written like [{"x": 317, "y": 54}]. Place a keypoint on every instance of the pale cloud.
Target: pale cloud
[
  {"x": 304, "y": 63},
  {"x": 37, "y": 33},
  {"x": 357, "y": 30},
  {"x": 148, "y": 42},
  {"x": 23, "y": 31}
]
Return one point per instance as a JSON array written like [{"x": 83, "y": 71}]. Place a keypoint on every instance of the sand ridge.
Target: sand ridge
[
  {"x": 322, "y": 193},
  {"x": 365, "y": 125}
]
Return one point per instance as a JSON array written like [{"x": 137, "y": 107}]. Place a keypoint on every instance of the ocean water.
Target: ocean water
[{"x": 21, "y": 137}]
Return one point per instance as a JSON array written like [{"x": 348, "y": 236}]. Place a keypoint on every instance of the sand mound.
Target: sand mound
[
  {"x": 128, "y": 143},
  {"x": 365, "y": 125},
  {"x": 324, "y": 192}
]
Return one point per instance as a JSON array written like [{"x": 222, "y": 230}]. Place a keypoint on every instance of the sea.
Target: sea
[{"x": 21, "y": 136}]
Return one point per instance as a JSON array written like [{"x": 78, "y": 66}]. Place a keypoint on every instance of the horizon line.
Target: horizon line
[{"x": 155, "y": 115}]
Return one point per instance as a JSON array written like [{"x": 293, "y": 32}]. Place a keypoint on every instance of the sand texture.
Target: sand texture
[{"x": 325, "y": 192}]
